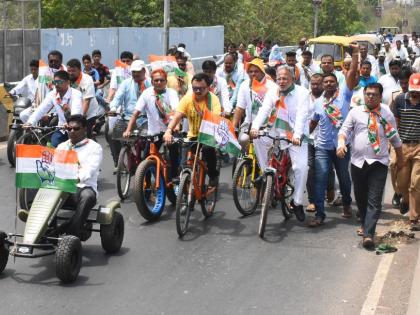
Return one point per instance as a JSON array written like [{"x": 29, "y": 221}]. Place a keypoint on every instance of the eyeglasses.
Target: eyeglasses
[
  {"x": 199, "y": 89},
  {"x": 73, "y": 128},
  {"x": 182, "y": 65},
  {"x": 372, "y": 95},
  {"x": 159, "y": 80},
  {"x": 58, "y": 82}
]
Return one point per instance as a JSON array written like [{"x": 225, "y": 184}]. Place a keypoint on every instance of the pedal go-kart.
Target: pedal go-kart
[{"x": 42, "y": 235}]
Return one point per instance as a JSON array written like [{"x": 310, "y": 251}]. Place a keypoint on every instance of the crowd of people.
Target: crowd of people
[{"x": 348, "y": 124}]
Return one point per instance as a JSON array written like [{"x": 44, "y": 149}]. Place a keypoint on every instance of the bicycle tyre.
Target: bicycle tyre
[
  {"x": 238, "y": 175},
  {"x": 123, "y": 188},
  {"x": 183, "y": 205},
  {"x": 27, "y": 138},
  {"x": 11, "y": 146},
  {"x": 266, "y": 202},
  {"x": 141, "y": 196}
]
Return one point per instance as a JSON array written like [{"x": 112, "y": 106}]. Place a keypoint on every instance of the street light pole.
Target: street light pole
[
  {"x": 317, "y": 5},
  {"x": 166, "y": 21}
]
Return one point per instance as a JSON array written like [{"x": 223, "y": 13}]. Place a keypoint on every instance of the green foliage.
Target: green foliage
[{"x": 284, "y": 21}]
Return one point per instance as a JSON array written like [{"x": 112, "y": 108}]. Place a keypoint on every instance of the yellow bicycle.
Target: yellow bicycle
[{"x": 246, "y": 190}]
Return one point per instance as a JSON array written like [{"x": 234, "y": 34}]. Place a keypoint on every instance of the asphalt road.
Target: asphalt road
[{"x": 220, "y": 267}]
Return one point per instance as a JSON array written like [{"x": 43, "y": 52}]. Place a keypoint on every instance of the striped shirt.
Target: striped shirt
[{"x": 409, "y": 118}]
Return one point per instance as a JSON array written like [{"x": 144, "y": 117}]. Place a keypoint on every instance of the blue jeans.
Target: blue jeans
[
  {"x": 58, "y": 137},
  {"x": 323, "y": 160}
]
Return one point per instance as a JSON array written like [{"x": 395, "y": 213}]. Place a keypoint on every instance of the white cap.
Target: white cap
[
  {"x": 181, "y": 49},
  {"x": 137, "y": 65}
]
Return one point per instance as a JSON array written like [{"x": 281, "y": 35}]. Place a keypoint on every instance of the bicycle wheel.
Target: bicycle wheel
[
  {"x": 183, "y": 206},
  {"x": 149, "y": 200},
  {"x": 123, "y": 174},
  {"x": 27, "y": 138},
  {"x": 288, "y": 190},
  {"x": 245, "y": 193},
  {"x": 266, "y": 202}
]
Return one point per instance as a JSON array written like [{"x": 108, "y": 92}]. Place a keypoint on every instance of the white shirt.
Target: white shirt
[
  {"x": 246, "y": 101},
  {"x": 26, "y": 87},
  {"x": 372, "y": 60},
  {"x": 311, "y": 111},
  {"x": 147, "y": 103},
  {"x": 72, "y": 99},
  {"x": 89, "y": 154},
  {"x": 416, "y": 64},
  {"x": 402, "y": 53},
  {"x": 311, "y": 69},
  {"x": 222, "y": 92},
  {"x": 87, "y": 87},
  {"x": 297, "y": 109},
  {"x": 390, "y": 85}
]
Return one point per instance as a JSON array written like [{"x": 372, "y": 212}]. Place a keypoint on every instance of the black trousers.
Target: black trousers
[
  {"x": 369, "y": 184},
  {"x": 89, "y": 129},
  {"x": 83, "y": 201},
  {"x": 209, "y": 156}
]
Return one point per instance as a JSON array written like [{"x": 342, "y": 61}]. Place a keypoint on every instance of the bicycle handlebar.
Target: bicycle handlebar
[{"x": 266, "y": 134}]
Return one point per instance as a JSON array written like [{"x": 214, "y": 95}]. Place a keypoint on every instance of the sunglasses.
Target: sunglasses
[
  {"x": 58, "y": 82},
  {"x": 73, "y": 128},
  {"x": 198, "y": 88}
]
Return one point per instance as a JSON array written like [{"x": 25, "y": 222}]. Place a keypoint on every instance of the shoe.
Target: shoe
[
  {"x": 316, "y": 222},
  {"x": 396, "y": 200},
  {"x": 404, "y": 207},
  {"x": 310, "y": 208},
  {"x": 213, "y": 182},
  {"x": 23, "y": 215},
  {"x": 368, "y": 243},
  {"x": 347, "y": 213},
  {"x": 330, "y": 195},
  {"x": 299, "y": 213},
  {"x": 338, "y": 201},
  {"x": 414, "y": 225}
]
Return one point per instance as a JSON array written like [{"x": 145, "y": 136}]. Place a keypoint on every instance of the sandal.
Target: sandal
[
  {"x": 310, "y": 208},
  {"x": 360, "y": 231},
  {"x": 316, "y": 222}
]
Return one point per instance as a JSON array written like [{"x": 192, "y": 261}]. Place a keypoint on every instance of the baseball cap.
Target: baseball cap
[
  {"x": 137, "y": 65},
  {"x": 414, "y": 83}
]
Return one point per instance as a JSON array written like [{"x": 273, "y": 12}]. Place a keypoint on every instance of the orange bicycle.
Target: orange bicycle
[
  {"x": 194, "y": 186},
  {"x": 151, "y": 182}
]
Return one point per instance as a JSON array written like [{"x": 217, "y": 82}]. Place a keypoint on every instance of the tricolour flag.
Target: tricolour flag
[
  {"x": 122, "y": 71},
  {"x": 167, "y": 63},
  {"x": 42, "y": 167},
  {"x": 218, "y": 132}
]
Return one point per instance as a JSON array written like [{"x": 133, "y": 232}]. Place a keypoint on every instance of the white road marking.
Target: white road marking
[
  {"x": 414, "y": 302},
  {"x": 372, "y": 299}
]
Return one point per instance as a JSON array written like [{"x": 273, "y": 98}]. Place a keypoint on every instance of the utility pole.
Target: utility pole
[
  {"x": 166, "y": 22},
  {"x": 317, "y": 5}
]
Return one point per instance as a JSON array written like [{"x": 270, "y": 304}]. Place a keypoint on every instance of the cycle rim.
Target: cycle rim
[
  {"x": 153, "y": 197},
  {"x": 247, "y": 192},
  {"x": 125, "y": 175}
]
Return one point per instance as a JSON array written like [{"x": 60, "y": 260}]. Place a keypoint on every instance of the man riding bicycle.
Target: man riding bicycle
[
  {"x": 286, "y": 109},
  {"x": 192, "y": 106},
  {"x": 158, "y": 102},
  {"x": 64, "y": 100}
]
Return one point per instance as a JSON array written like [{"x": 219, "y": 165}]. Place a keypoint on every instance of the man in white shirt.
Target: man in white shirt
[
  {"x": 307, "y": 68},
  {"x": 400, "y": 51},
  {"x": 389, "y": 55},
  {"x": 159, "y": 103},
  {"x": 27, "y": 87},
  {"x": 296, "y": 100},
  {"x": 363, "y": 48},
  {"x": 218, "y": 86},
  {"x": 390, "y": 82},
  {"x": 89, "y": 154},
  {"x": 126, "y": 57},
  {"x": 64, "y": 100},
  {"x": 84, "y": 83}
]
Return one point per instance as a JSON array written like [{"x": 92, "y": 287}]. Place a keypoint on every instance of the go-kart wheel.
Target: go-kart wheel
[
  {"x": 4, "y": 253},
  {"x": 68, "y": 258},
  {"x": 112, "y": 235}
]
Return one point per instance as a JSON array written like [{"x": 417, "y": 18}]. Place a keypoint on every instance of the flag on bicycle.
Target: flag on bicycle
[
  {"x": 218, "y": 132},
  {"x": 43, "y": 167},
  {"x": 122, "y": 71}
]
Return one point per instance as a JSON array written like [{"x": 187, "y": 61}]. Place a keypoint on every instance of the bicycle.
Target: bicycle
[
  {"x": 131, "y": 155},
  {"x": 278, "y": 181},
  {"x": 194, "y": 186},
  {"x": 246, "y": 191},
  {"x": 151, "y": 181}
]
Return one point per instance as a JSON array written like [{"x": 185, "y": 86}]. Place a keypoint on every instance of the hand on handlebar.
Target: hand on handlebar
[
  {"x": 167, "y": 137},
  {"x": 296, "y": 141},
  {"x": 26, "y": 126},
  {"x": 127, "y": 133},
  {"x": 253, "y": 133}
]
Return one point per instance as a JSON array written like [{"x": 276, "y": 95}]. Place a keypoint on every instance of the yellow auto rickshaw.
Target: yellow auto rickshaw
[{"x": 336, "y": 46}]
